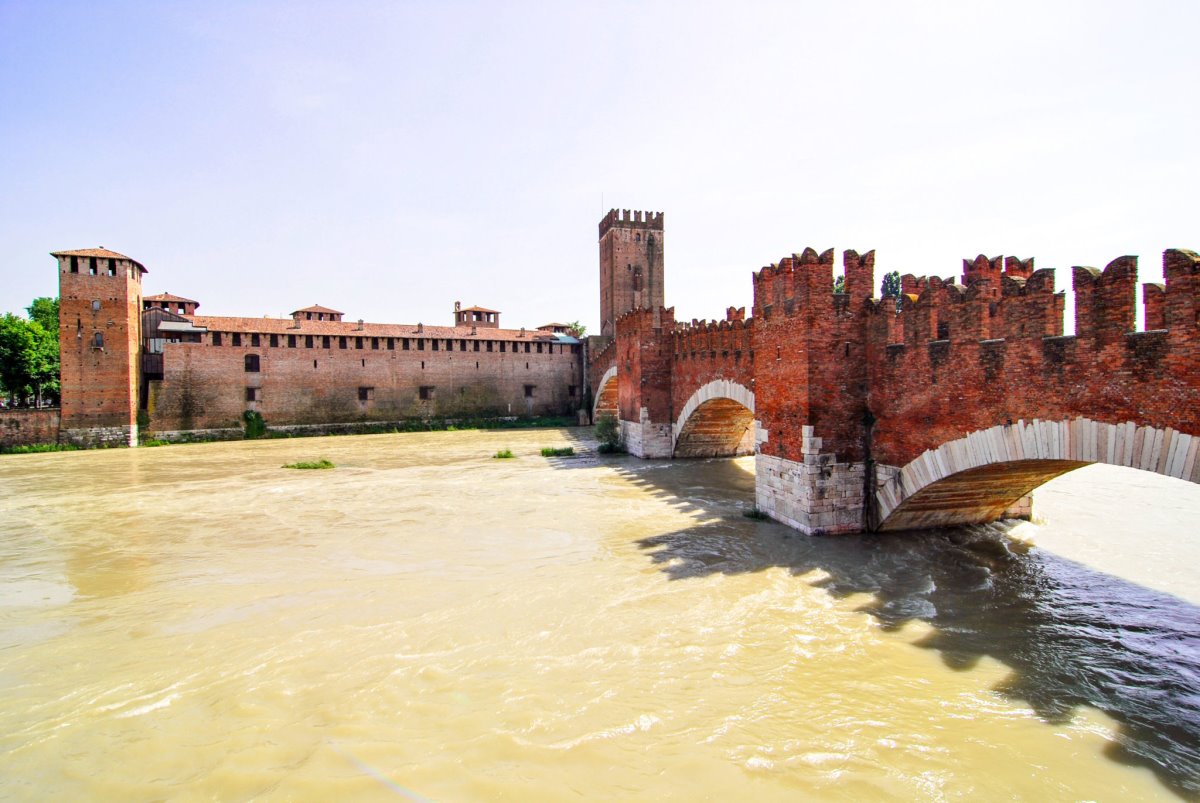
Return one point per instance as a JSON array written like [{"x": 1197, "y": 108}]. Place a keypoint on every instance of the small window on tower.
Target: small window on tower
[
  {"x": 74, "y": 264},
  {"x": 112, "y": 267},
  {"x": 252, "y": 363},
  {"x": 98, "y": 340},
  {"x": 236, "y": 338},
  {"x": 274, "y": 341},
  {"x": 291, "y": 341},
  {"x": 96, "y": 305},
  {"x": 324, "y": 341},
  {"x": 426, "y": 392},
  {"x": 366, "y": 394},
  {"x": 92, "y": 266},
  {"x": 252, "y": 394},
  {"x": 255, "y": 341},
  {"x": 216, "y": 338}
]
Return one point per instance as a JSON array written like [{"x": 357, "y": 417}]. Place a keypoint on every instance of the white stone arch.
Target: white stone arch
[
  {"x": 716, "y": 389},
  {"x": 1041, "y": 450},
  {"x": 609, "y": 376}
]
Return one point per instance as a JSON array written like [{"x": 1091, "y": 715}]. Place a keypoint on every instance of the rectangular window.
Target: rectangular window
[
  {"x": 426, "y": 392},
  {"x": 255, "y": 341},
  {"x": 404, "y": 344},
  {"x": 526, "y": 348},
  {"x": 539, "y": 345},
  {"x": 489, "y": 345},
  {"x": 98, "y": 340},
  {"x": 325, "y": 341},
  {"x": 216, "y": 338},
  {"x": 291, "y": 341},
  {"x": 529, "y": 391},
  {"x": 92, "y": 266},
  {"x": 96, "y": 305},
  {"x": 366, "y": 394},
  {"x": 274, "y": 341},
  {"x": 358, "y": 342},
  {"x": 477, "y": 345},
  {"x": 112, "y": 267},
  {"x": 391, "y": 344},
  {"x": 342, "y": 342},
  {"x": 374, "y": 344},
  {"x": 462, "y": 345},
  {"x": 252, "y": 394},
  {"x": 236, "y": 338},
  {"x": 420, "y": 344},
  {"x": 308, "y": 341},
  {"x": 501, "y": 346},
  {"x": 74, "y": 264},
  {"x": 433, "y": 343}
]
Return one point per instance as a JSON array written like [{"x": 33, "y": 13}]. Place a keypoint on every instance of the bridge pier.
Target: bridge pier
[
  {"x": 645, "y": 438},
  {"x": 816, "y": 495}
]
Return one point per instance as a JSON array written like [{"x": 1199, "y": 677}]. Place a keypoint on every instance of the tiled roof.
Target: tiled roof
[
  {"x": 103, "y": 253},
  {"x": 319, "y": 308},
  {"x": 555, "y": 325},
  {"x": 478, "y": 309},
  {"x": 287, "y": 326},
  {"x": 169, "y": 297}
]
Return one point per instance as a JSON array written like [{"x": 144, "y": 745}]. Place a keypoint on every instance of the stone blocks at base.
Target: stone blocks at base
[
  {"x": 101, "y": 436},
  {"x": 646, "y": 439},
  {"x": 817, "y": 496}
]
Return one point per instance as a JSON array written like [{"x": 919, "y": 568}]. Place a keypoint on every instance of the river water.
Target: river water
[{"x": 426, "y": 622}]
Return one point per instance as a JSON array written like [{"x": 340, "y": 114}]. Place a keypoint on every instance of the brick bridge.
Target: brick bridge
[{"x": 946, "y": 405}]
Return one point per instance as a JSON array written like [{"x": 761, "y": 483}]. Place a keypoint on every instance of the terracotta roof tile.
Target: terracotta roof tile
[
  {"x": 319, "y": 308},
  {"x": 170, "y": 297},
  {"x": 287, "y": 326},
  {"x": 103, "y": 253}
]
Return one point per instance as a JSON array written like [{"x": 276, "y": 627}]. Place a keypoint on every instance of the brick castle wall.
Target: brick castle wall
[
  {"x": 205, "y": 386},
  {"x": 27, "y": 427}
]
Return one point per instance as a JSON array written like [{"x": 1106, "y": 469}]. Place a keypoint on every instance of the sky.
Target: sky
[{"x": 390, "y": 158}]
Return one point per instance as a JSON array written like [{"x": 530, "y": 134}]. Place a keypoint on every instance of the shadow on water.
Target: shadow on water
[{"x": 1071, "y": 636}]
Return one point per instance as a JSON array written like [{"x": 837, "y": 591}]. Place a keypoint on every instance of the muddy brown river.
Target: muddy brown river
[{"x": 426, "y": 622}]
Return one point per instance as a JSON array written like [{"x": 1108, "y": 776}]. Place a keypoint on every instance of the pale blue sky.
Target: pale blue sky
[{"x": 388, "y": 159}]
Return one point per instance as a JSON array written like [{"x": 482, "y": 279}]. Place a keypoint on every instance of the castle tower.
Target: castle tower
[
  {"x": 631, "y": 265},
  {"x": 99, "y": 317}
]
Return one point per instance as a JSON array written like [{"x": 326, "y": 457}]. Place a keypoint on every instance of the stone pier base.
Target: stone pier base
[
  {"x": 646, "y": 439},
  {"x": 817, "y": 495},
  {"x": 101, "y": 436}
]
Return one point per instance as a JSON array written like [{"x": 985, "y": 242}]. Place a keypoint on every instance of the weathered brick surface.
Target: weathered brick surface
[
  {"x": 205, "y": 386},
  {"x": 26, "y": 427},
  {"x": 631, "y": 265},
  {"x": 99, "y": 296}
]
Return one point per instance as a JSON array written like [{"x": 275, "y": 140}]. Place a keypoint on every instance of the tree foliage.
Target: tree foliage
[
  {"x": 29, "y": 359},
  {"x": 577, "y": 329},
  {"x": 839, "y": 284},
  {"x": 891, "y": 284}
]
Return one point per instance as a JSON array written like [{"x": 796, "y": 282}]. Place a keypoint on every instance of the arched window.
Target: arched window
[
  {"x": 98, "y": 340},
  {"x": 252, "y": 363}
]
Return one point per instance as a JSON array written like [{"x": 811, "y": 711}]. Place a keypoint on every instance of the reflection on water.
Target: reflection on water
[{"x": 195, "y": 621}]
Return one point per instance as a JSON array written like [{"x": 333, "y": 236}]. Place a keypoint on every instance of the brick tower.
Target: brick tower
[
  {"x": 631, "y": 265},
  {"x": 99, "y": 316}
]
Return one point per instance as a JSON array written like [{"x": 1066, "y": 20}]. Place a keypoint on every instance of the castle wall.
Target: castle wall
[
  {"x": 205, "y": 386},
  {"x": 27, "y": 427}
]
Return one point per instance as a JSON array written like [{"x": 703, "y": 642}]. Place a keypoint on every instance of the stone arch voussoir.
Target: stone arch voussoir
[
  {"x": 718, "y": 390},
  {"x": 609, "y": 376},
  {"x": 978, "y": 477}
]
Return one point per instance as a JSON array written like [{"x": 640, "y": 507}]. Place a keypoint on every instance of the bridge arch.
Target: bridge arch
[
  {"x": 605, "y": 399},
  {"x": 716, "y": 421},
  {"x": 978, "y": 478}
]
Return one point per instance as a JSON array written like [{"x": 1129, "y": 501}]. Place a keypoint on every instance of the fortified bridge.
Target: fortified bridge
[{"x": 945, "y": 405}]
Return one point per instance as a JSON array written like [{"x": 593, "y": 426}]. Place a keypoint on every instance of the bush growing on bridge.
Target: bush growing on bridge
[
  {"x": 608, "y": 432},
  {"x": 255, "y": 426}
]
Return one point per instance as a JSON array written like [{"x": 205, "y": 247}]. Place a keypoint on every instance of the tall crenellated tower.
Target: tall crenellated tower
[
  {"x": 99, "y": 317},
  {"x": 631, "y": 264}
]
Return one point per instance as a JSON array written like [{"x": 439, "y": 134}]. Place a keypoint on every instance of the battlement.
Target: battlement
[
  {"x": 710, "y": 338},
  {"x": 626, "y": 219},
  {"x": 794, "y": 281}
]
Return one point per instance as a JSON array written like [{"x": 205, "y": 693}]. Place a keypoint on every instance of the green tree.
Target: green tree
[
  {"x": 891, "y": 284},
  {"x": 44, "y": 310},
  {"x": 577, "y": 329},
  {"x": 29, "y": 358},
  {"x": 17, "y": 358},
  {"x": 839, "y": 284}
]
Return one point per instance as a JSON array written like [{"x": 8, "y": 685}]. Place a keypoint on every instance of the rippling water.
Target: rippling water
[{"x": 427, "y": 622}]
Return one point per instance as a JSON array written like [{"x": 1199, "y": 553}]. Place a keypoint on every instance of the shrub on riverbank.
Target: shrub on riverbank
[
  {"x": 32, "y": 448},
  {"x": 311, "y": 464},
  {"x": 559, "y": 451},
  {"x": 504, "y": 454}
]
